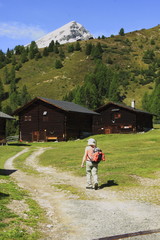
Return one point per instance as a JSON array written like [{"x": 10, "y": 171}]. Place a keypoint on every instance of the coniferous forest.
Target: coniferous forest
[{"x": 90, "y": 73}]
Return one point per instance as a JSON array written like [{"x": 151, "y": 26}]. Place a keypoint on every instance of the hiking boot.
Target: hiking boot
[
  {"x": 96, "y": 186},
  {"x": 89, "y": 187}
]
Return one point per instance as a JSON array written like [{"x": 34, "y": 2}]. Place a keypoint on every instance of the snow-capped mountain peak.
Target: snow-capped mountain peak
[{"x": 70, "y": 32}]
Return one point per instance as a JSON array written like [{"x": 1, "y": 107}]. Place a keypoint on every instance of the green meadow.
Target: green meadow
[
  {"x": 13, "y": 226},
  {"x": 128, "y": 156}
]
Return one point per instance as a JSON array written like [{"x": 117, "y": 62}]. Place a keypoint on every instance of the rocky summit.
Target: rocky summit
[{"x": 70, "y": 32}]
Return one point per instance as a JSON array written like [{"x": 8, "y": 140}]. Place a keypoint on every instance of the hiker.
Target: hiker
[{"x": 91, "y": 167}]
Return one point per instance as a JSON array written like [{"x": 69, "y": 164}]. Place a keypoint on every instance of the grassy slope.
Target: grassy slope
[{"x": 42, "y": 79}]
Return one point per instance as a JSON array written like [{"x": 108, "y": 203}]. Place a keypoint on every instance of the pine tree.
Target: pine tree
[
  {"x": 56, "y": 50},
  {"x": 70, "y": 48},
  {"x": 58, "y": 64},
  {"x": 19, "y": 49},
  {"x": 51, "y": 46},
  {"x": 24, "y": 96},
  {"x": 121, "y": 32},
  {"x": 97, "y": 51},
  {"x": 61, "y": 54},
  {"x": 114, "y": 90},
  {"x": 1, "y": 91},
  {"x": 88, "y": 48},
  {"x": 6, "y": 76},
  {"x": 77, "y": 46},
  {"x": 33, "y": 50},
  {"x": 24, "y": 56}
]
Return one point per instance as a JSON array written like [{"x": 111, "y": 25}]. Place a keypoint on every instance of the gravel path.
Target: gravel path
[{"x": 103, "y": 213}]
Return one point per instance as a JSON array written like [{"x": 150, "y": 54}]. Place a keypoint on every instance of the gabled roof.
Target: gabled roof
[
  {"x": 4, "y": 115},
  {"x": 63, "y": 105},
  {"x": 100, "y": 109}
]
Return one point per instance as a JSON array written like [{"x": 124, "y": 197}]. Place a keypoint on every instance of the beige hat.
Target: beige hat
[{"x": 92, "y": 141}]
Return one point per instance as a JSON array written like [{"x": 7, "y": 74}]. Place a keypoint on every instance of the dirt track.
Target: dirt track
[{"x": 103, "y": 212}]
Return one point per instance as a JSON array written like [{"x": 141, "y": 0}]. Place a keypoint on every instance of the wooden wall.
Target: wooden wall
[
  {"x": 41, "y": 120},
  {"x": 2, "y": 128},
  {"x": 116, "y": 119}
]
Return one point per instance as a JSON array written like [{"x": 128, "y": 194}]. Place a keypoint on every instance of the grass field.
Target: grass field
[
  {"x": 127, "y": 156},
  {"x": 12, "y": 226}
]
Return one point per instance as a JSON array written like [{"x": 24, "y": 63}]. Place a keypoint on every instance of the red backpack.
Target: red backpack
[{"x": 98, "y": 155}]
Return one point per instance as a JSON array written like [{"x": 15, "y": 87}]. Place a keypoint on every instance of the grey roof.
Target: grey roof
[
  {"x": 4, "y": 115},
  {"x": 68, "y": 106},
  {"x": 124, "y": 106}
]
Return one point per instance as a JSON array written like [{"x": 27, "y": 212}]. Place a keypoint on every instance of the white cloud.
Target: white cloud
[{"x": 15, "y": 30}]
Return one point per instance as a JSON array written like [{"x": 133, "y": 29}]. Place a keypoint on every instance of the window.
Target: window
[
  {"x": 27, "y": 118},
  {"x": 45, "y": 113},
  {"x": 117, "y": 115},
  {"x": 45, "y": 119}
]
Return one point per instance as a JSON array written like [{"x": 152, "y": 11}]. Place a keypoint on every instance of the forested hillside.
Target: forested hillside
[{"x": 118, "y": 68}]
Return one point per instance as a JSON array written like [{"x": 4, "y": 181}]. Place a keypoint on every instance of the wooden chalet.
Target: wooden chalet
[
  {"x": 3, "y": 118},
  {"x": 118, "y": 118},
  {"x": 45, "y": 119}
]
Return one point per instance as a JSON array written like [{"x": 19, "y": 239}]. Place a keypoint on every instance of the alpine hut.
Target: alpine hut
[
  {"x": 44, "y": 119},
  {"x": 3, "y": 118},
  {"x": 119, "y": 118}
]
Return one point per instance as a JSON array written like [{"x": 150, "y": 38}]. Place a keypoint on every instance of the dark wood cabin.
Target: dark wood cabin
[
  {"x": 118, "y": 118},
  {"x": 45, "y": 119},
  {"x": 3, "y": 118}
]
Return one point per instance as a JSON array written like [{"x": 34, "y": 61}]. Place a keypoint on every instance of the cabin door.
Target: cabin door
[
  {"x": 35, "y": 136},
  {"x": 38, "y": 136}
]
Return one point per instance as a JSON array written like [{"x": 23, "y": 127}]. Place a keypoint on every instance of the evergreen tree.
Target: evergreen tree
[
  {"x": 45, "y": 52},
  {"x": 149, "y": 56},
  {"x": 97, "y": 51},
  {"x": 14, "y": 60},
  {"x": 38, "y": 56},
  {"x": 24, "y": 56},
  {"x": 12, "y": 75},
  {"x": 114, "y": 90},
  {"x": 56, "y": 50},
  {"x": 88, "y": 48},
  {"x": 70, "y": 48},
  {"x": 155, "y": 101},
  {"x": 6, "y": 76},
  {"x": 19, "y": 49},
  {"x": 146, "y": 102},
  {"x": 2, "y": 59},
  {"x": 77, "y": 46},
  {"x": 1, "y": 91},
  {"x": 61, "y": 54},
  {"x": 51, "y": 46},
  {"x": 58, "y": 64},
  {"x": 33, "y": 50},
  {"x": 121, "y": 32},
  {"x": 24, "y": 96},
  {"x": 9, "y": 53}
]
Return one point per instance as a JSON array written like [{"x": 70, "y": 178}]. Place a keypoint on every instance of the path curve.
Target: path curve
[{"x": 103, "y": 213}]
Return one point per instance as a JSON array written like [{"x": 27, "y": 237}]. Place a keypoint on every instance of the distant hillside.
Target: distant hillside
[{"x": 55, "y": 71}]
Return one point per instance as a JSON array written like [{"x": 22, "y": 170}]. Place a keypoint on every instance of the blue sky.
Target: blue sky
[{"x": 23, "y": 21}]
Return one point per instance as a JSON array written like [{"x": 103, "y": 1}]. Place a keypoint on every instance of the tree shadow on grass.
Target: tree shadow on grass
[
  {"x": 19, "y": 144},
  {"x": 2, "y": 195},
  {"x": 6, "y": 172},
  {"x": 109, "y": 183}
]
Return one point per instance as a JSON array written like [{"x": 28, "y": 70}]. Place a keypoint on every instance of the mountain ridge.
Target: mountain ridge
[{"x": 68, "y": 33}]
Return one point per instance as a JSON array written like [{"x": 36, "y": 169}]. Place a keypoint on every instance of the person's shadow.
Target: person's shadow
[
  {"x": 6, "y": 172},
  {"x": 109, "y": 183}
]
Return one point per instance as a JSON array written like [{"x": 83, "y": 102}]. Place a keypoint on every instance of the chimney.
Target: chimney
[{"x": 133, "y": 103}]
